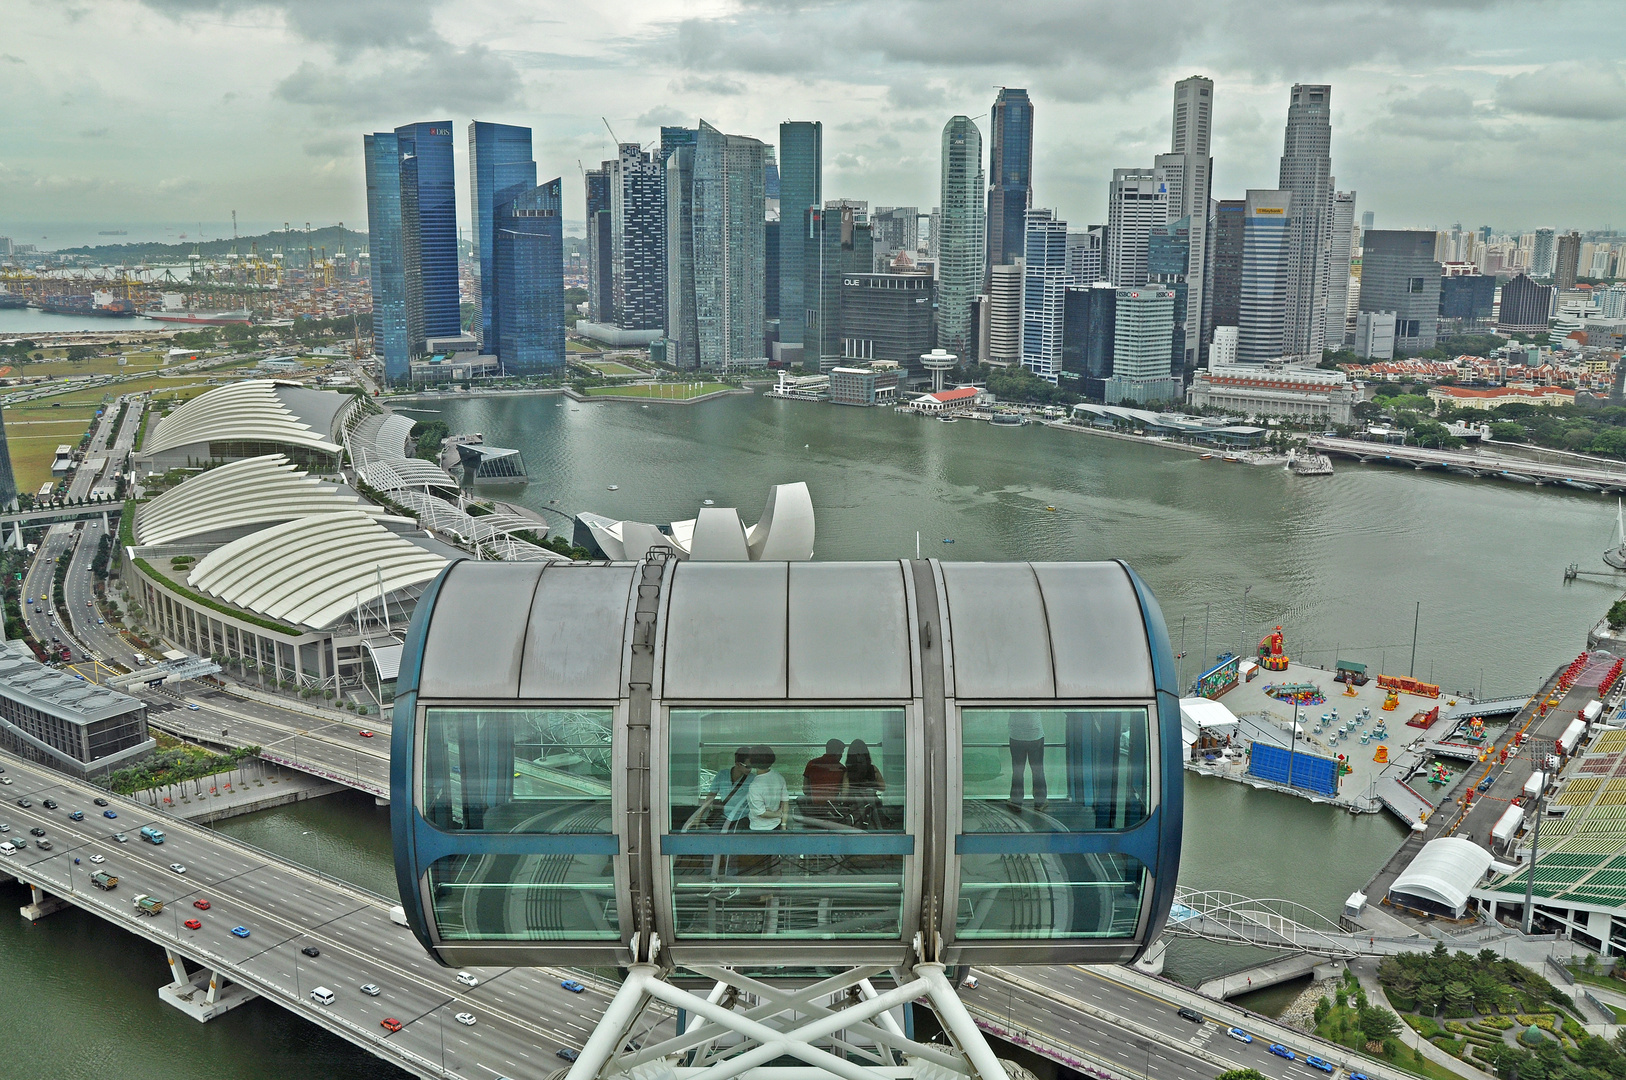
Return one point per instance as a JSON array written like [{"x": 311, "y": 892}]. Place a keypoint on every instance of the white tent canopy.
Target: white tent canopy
[{"x": 1444, "y": 873}]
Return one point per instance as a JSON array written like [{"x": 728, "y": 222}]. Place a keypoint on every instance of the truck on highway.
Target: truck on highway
[
  {"x": 152, "y": 835},
  {"x": 148, "y": 905},
  {"x": 104, "y": 881},
  {"x": 398, "y": 915}
]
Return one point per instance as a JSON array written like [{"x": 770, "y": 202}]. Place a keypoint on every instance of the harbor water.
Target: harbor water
[{"x": 1340, "y": 562}]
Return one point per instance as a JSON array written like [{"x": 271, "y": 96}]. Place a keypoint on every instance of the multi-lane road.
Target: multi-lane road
[{"x": 521, "y": 1016}]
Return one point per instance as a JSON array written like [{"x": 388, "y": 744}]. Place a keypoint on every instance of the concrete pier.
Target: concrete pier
[
  {"x": 202, "y": 995},
  {"x": 41, "y": 903},
  {"x": 1274, "y": 973}
]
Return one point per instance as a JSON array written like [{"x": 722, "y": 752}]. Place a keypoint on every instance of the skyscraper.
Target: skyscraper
[
  {"x": 637, "y": 240},
  {"x": 500, "y": 169},
  {"x": 960, "y": 250},
  {"x": 1142, "y": 336},
  {"x": 1168, "y": 257},
  {"x": 1088, "y": 329},
  {"x": 1191, "y": 140},
  {"x": 598, "y": 243},
  {"x": 1137, "y": 203},
  {"x": 528, "y": 281},
  {"x": 715, "y": 196},
  {"x": 1084, "y": 251},
  {"x": 1001, "y": 312},
  {"x": 429, "y": 231},
  {"x": 387, "y": 267},
  {"x": 801, "y": 188},
  {"x": 1399, "y": 274},
  {"x": 1541, "y": 256},
  {"x": 1340, "y": 248},
  {"x": 1306, "y": 171},
  {"x": 1267, "y": 267},
  {"x": 1010, "y": 174},
  {"x": 1526, "y": 307},
  {"x": 838, "y": 244},
  {"x": 1225, "y": 284},
  {"x": 1044, "y": 283},
  {"x": 1567, "y": 260}
]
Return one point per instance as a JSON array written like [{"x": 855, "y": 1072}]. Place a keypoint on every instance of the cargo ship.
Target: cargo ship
[
  {"x": 174, "y": 310},
  {"x": 102, "y": 304},
  {"x": 11, "y": 300}
]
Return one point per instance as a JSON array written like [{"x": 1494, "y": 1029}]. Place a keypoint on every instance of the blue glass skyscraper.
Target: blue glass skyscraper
[
  {"x": 801, "y": 188},
  {"x": 500, "y": 170},
  {"x": 529, "y": 283},
  {"x": 1010, "y": 174},
  {"x": 390, "y": 340},
  {"x": 429, "y": 228}
]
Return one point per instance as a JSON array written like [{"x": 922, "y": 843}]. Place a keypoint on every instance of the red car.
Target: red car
[
  {"x": 365, "y": 734},
  {"x": 192, "y": 924},
  {"x": 390, "y": 1023},
  {"x": 201, "y": 905}
]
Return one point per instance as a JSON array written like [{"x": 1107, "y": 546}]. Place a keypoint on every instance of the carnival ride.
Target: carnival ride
[{"x": 1272, "y": 653}]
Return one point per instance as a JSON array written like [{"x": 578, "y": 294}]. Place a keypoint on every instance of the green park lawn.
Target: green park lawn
[{"x": 660, "y": 391}]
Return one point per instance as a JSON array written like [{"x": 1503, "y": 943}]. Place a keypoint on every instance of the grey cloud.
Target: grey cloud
[
  {"x": 915, "y": 95},
  {"x": 10, "y": 59},
  {"x": 1569, "y": 90},
  {"x": 95, "y": 133},
  {"x": 716, "y": 84},
  {"x": 330, "y": 146},
  {"x": 349, "y": 24},
  {"x": 662, "y": 116},
  {"x": 460, "y": 80},
  {"x": 1434, "y": 103}
]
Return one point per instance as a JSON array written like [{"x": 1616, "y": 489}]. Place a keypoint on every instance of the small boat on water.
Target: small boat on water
[
  {"x": 948, "y": 419},
  {"x": 947, "y": 540},
  {"x": 1232, "y": 458},
  {"x": 707, "y": 502},
  {"x": 1052, "y": 509},
  {"x": 1205, "y": 457},
  {"x": 613, "y": 487}
]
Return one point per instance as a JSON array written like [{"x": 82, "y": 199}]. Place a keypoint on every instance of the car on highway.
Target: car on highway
[
  {"x": 370, "y": 989},
  {"x": 1319, "y": 1063},
  {"x": 192, "y": 924},
  {"x": 1359, "y": 1076},
  {"x": 49, "y": 804},
  {"x": 240, "y": 931},
  {"x": 1239, "y": 1035},
  {"x": 99, "y": 622},
  {"x": 77, "y": 815},
  {"x": 466, "y": 979},
  {"x": 201, "y": 904},
  {"x": 6, "y": 780},
  {"x": 311, "y": 951},
  {"x": 573, "y": 986},
  {"x": 191, "y": 706},
  {"x": 390, "y": 1024},
  {"x": 567, "y": 1053},
  {"x": 121, "y": 838},
  {"x": 99, "y": 801},
  {"x": 1281, "y": 1051},
  {"x": 365, "y": 734},
  {"x": 466, "y": 1019},
  {"x": 177, "y": 867},
  {"x": 4, "y": 827},
  {"x": 109, "y": 814},
  {"x": 1193, "y": 1015},
  {"x": 36, "y": 831},
  {"x": 39, "y": 611},
  {"x": 24, "y": 803},
  {"x": 43, "y": 845},
  {"x": 98, "y": 859}
]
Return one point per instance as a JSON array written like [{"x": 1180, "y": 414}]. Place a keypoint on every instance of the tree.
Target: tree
[
  {"x": 1379, "y": 1024},
  {"x": 1507, "y": 431},
  {"x": 1241, "y": 1074}
]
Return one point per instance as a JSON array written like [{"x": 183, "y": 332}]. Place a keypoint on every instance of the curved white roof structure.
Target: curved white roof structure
[
  {"x": 255, "y": 410},
  {"x": 1444, "y": 872},
  {"x": 250, "y": 492},
  {"x": 399, "y": 474},
  {"x": 783, "y": 533},
  {"x": 393, "y": 434},
  {"x": 311, "y": 570}
]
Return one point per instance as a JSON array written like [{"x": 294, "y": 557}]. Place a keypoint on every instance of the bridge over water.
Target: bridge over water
[{"x": 1472, "y": 463}]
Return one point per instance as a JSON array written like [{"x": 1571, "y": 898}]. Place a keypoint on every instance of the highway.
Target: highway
[{"x": 521, "y": 1015}]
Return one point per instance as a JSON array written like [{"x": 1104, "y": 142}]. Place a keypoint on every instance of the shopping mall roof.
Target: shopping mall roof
[
  {"x": 249, "y": 493},
  {"x": 311, "y": 571},
  {"x": 254, "y": 410},
  {"x": 1445, "y": 871}
]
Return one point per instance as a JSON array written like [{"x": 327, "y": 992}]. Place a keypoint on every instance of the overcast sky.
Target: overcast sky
[{"x": 156, "y": 115}]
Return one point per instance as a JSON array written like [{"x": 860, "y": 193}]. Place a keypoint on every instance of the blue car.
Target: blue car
[
  {"x": 1359, "y": 1076},
  {"x": 108, "y": 814},
  {"x": 1318, "y": 1063},
  {"x": 573, "y": 986},
  {"x": 242, "y": 931},
  {"x": 1239, "y": 1035},
  {"x": 1281, "y": 1051}
]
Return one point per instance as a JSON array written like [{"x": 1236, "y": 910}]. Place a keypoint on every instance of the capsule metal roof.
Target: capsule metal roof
[
  {"x": 249, "y": 492},
  {"x": 310, "y": 571},
  {"x": 254, "y": 410},
  {"x": 761, "y": 631}
]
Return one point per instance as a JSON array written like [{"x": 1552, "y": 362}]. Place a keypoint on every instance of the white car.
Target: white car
[
  {"x": 466, "y": 979},
  {"x": 370, "y": 989},
  {"x": 466, "y": 1019},
  {"x": 177, "y": 867},
  {"x": 98, "y": 859}
]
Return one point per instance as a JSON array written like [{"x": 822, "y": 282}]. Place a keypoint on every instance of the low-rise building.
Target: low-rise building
[
  {"x": 1309, "y": 394},
  {"x": 50, "y": 716},
  {"x": 454, "y": 368},
  {"x": 875, "y": 385},
  {"x": 960, "y": 399},
  {"x": 1489, "y": 398}
]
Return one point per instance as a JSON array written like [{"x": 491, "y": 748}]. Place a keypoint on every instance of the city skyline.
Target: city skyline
[{"x": 295, "y": 80}]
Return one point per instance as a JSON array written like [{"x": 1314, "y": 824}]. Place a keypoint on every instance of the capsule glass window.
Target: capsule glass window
[
  {"x": 787, "y": 823},
  {"x": 1054, "y": 770},
  {"x": 551, "y": 897},
  {"x": 517, "y": 770}
]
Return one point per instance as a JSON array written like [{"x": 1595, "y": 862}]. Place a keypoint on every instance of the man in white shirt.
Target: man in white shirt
[
  {"x": 1027, "y": 752},
  {"x": 769, "y": 796}
]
